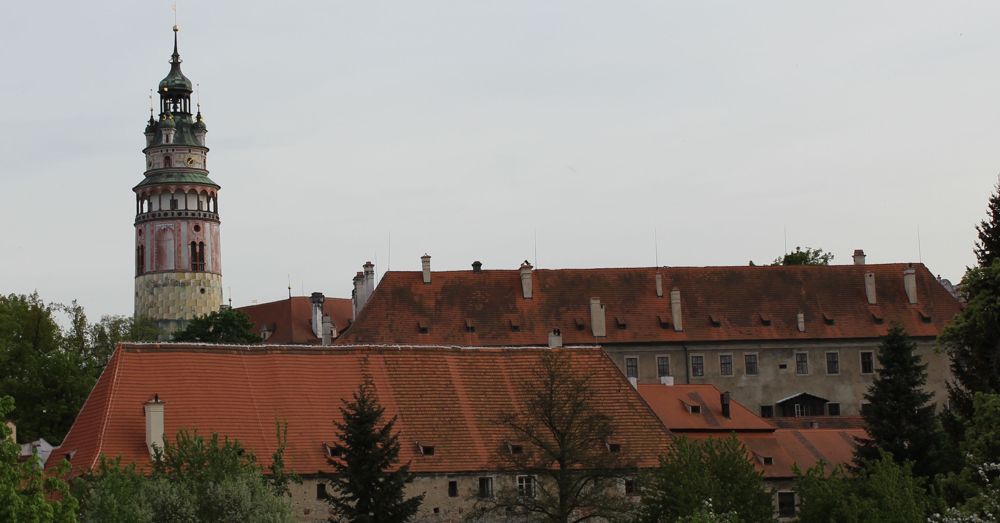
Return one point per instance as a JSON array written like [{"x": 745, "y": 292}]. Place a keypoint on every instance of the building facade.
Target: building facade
[{"x": 178, "y": 255}]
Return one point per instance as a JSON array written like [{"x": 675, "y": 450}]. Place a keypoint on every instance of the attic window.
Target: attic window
[
  {"x": 422, "y": 327},
  {"x": 692, "y": 408},
  {"x": 469, "y": 326},
  {"x": 926, "y": 318},
  {"x": 579, "y": 324},
  {"x": 664, "y": 324},
  {"x": 614, "y": 447},
  {"x": 877, "y": 318},
  {"x": 765, "y": 319},
  {"x": 620, "y": 323},
  {"x": 515, "y": 448},
  {"x": 827, "y": 319},
  {"x": 514, "y": 326},
  {"x": 70, "y": 454},
  {"x": 765, "y": 460},
  {"x": 425, "y": 449},
  {"x": 331, "y": 452},
  {"x": 714, "y": 320}
]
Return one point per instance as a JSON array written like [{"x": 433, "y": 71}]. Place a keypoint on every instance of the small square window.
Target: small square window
[
  {"x": 614, "y": 448},
  {"x": 526, "y": 486},
  {"x": 452, "y": 489},
  {"x": 786, "y": 504},
  {"x": 485, "y": 488},
  {"x": 833, "y": 363},
  {"x": 632, "y": 367},
  {"x": 726, "y": 364},
  {"x": 750, "y": 362},
  {"x": 767, "y": 411},
  {"x": 833, "y": 409},
  {"x": 697, "y": 366},
  {"x": 662, "y": 366},
  {"x": 867, "y": 362},
  {"x": 515, "y": 448},
  {"x": 321, "y": 492},
  {"x": 631, "y": 487},
  {"x": 802, "y": 363}
]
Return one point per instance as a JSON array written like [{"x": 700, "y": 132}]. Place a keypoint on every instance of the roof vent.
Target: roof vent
[
  {"x": 578, "y": 323},
  {"x": 714, "y": 320},
  {"x": 515, "y": 448},
  {"x": 877, "y": 317},
  {"x": 469, "y": 326},
  {"x": 766, "y": 460},
  {"x": 620, "y": 323},
  {"x": 859, "y": 257},
  {"x": 827, "y": 319},
  {"x": 664, "y": 323},
  {"x": 765, "y": 319},
  {"x": 926, "y": 318},
  {"x": 422, "y": 327},
  {"x": 514, "y": 325},
  {"x": 614, "y": 447},
  {"x": 425, "y": 266},
  {"x": 477, "y": 266},
  {"x": 331, "y": 451}
]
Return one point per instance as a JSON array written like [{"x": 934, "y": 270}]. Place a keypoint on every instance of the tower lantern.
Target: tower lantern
[{"x": 178, "y": 263}]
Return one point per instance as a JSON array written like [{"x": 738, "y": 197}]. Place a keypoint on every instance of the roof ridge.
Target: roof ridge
[{"x": 119, "y": 361}]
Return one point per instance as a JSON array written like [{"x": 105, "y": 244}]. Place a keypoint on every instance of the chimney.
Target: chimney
[
  {"x": 724, "y": 399},
  {"x": 425, "y": 265},
  {"x": 477, "y": 266},
  {"x": 526, "y": 279},
  {"x": 555, "y": 339},
  {"x": 859, "y": 257},
  {"x": 154, "y": 424},
  {"x": 317, "y": 300},
  {"x": 675, "y": 309},
  {"x": 369, "y": 269},
  {"x": 634, "y": 382},
  {"x": 597, "y": 317},
  {"x": 801, "y": 320},
  {"x": 910, "y": 284},
  {"x": 870, "y": 288},
  {"x": 359, "y": 293},
  {"x": 667, "y": 380},
  {"x": 659, "y": 285},
  {"x": 329, "y": 331}
]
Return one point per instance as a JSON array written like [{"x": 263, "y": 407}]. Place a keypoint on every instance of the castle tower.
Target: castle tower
[{"x": 178, "y": 263}]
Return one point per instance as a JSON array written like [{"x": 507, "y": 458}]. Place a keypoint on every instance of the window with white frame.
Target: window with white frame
[
  {"x": 726, "y": 364},
  {"x": 662, "y": 366},
  {"x": 526, "y": 486},
  {"x": 751, "y": 367},
  {"x": 697, "y": 365},
  {"x": 632, "y": 367}
]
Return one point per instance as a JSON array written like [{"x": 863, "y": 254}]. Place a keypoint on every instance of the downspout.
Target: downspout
[{"x": 687, "y": 366}]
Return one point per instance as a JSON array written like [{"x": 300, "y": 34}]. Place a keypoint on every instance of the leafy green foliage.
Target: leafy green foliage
[
  {"x": 717, "y": 469},
  {"x": 900, "y": 420},
  {"x": 26, "y": 492},
  {"x": 974, "y": 491},
  {"x": 366, "y": 488},
  {"x": 809, "y": 256},
  {"x": 222, "y": 326},
  {"x": 882, "y": 492},
  {"x": 193, "y": 479},
  {"x": 564, "y": 438},
  {"x": 988, "y": 232}
]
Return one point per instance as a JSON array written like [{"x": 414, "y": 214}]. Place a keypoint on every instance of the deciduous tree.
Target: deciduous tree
[
  {"x": 222, "y": 326},
  {"x": 883, "y": 492},
  {"x": 809, "y": 256}
]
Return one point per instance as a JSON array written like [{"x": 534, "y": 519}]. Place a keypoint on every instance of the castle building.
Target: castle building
[{"x": 178, "y": 263}]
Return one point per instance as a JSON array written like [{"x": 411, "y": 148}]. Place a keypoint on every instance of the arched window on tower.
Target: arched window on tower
[
  {"x": 167, "y": 162},
  {"x": 201, "y": 255},
  {"x": 140, "y": 259},
  {"x": 198, "y": 256}
]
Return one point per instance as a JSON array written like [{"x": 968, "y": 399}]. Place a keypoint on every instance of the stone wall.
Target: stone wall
[{"x": 174, "y": 297}]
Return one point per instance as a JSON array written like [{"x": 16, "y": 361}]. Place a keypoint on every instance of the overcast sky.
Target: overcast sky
[{"x": 469, "y": 129}]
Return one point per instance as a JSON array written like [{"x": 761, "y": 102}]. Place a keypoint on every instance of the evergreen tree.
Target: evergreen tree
[
  {"x": 222, "y": 326},
  {"x": 366, "y": 489},
  {"x": 988, "y": 245},
  {"x": 901, "y": 419}
]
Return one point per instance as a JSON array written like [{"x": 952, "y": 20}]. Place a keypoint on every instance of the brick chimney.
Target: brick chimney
[
  {"x": 597, "y": 324},
  {"x": 154, "y": 424},
  {"x": 425, "y": 266},
  {"x": 675, "y": 309},
  {"x": 369, "y": 273},
  {"x": 329, "y": 330},
  {"x": 477, "y": 266},
  {"x": 317, "y": 299},
  {"x": 859, "y": 257},
  {"x": 358, "y": 295},
  {"x": 870, "y": 288},
  {"x": 659, "y": 285},
  {"x": 910, "y": 284},
  {"x": 724, "y": 399},
  {"x": 526, "y": 279},
  {"x": 800, "y": 319}
]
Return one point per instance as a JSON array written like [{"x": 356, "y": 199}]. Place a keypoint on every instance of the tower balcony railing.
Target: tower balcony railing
[{"x": 178, "y": 213}]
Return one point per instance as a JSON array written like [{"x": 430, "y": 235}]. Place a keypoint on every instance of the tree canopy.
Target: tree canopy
[
  {"x": 809, "y": 256},
  {"x": 988, "y": 232},
  {"x": 223, "y": 326}
]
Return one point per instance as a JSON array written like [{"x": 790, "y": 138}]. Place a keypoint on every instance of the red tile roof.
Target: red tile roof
[
  {"x": 447, "y": 397},
  {"x": 671, "y": 403},
  {"x": 823, "y": 422},
  {"x": 290, "y": 320},
  {"x": 832, "y": 299}
]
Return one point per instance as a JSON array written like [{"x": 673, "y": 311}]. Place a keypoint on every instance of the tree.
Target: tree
[
  {"x": 106, "y": 334},
  {"x": 974, "y": 491},
  {"x": 193, "y": 479},
  {"x": 988, "y": 231},
  {"x": 222, "y": 326},
  {"x": 809, "y": 256},
  {"x": 900, "y": 420},
  {"x": 563, "y": 446},
  {"x": 26, "y": 492},
  {"x": 717, "y": 469},
  {"x": 883, "y": 492},
  {"x": 368, "y": 486}
]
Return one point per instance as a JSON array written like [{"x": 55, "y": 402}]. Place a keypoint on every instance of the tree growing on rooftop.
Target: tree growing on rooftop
[
  {"x": 717, "y": 469},
  {"x": 562, "y": 449},
  {"x": 368, "y": 485},
  {"x": 901, "y": 420},
  {"x": 809, "y": 256},
  {"x": 223, "y": 326}
]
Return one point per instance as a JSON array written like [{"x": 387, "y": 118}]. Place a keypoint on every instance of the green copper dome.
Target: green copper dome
[{"x": 175, "y": 80}]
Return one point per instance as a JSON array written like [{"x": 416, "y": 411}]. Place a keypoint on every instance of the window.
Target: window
[
  {"x": 801, "y": 363},
  {"x": 485, "y": 488},
  {"x": 697, "y": 366},
  {"x": 166, "y": 161},
  {"x": 197, "y": 256},
  {"x": 833, "y": 409},
  {"x": 750, "y": 362},
  {"x": 866, "y": 408},
  {"x": 833, "y": 363},
  {"x": 767, "y": 411},
  {"x": 321, "y": 491},
  {"x": 452, "y": 489},
  {"x": 173, "y": 204},
  {"x": 867, "y": 362},
  {"x": 800, "y": 410},
  {"x": 526, "y": 486},
  {"x": 631, "y": 487},
  {"x": 632, "y": 367},
  {"x": 662, "y": 366},
  {"x": 726, "y": 364},
  {"x": 140, "y": 259},
  {"x": 786, "y": 504}
]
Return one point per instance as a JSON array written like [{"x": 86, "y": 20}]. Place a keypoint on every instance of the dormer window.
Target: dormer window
[
  {"x": 578, "y": 323},
  {"x": 827, "y": 319},
  {"x": 692, "y": 408},
  {"x": 514, "y": 326},
  {"x": 765, "y": 319},
  {"x": 469, "y": 326},
  {"x": 620, "y": 323},
  {"x": 664, "y": 323},
  {"x": 425, "y": 449},
  {"x": 515, "y": 448},
  {"x": 716, "y": 321},
  {"x": 331, "y": 451},
  {"x": 422, "y": 327},
  {"x": 167, "y": 162}
]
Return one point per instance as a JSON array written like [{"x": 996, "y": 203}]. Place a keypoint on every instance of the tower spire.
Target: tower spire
[{"x": 176, "y": 57}]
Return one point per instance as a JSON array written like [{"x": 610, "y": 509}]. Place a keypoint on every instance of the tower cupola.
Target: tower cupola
[{"x": 175, "y": 89}]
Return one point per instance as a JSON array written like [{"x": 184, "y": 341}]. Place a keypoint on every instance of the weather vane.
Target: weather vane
[{"x": 173, "y": 7}]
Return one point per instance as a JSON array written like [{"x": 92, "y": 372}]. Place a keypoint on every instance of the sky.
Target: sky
[{"x": 568, "y": 133}]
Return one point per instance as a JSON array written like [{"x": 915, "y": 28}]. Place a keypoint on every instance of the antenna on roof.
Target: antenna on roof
[
  {"x": 289, "y": 286},
  {"x": 536, "y": 248},
  {"x": 656, "y": 248},
  {"x": 230, "y": 297},
  {"x": 388, "y": 261},
  {"x": 920, "y": 253},
  {"x": 150, "y": 103},
  {"x": 784, "y": 229}
]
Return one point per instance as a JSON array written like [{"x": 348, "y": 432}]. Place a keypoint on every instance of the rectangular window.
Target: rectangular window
[
  {"x": 321, "y": 491},
  {"x": 801, "y": 363},
  {"x": 833, "y": 363},
  {"x": 767, "y": 411},
  {"x": 800, "y": 410},
  {"x": 866, "y": 408},
  {"x": 750, "y": 361},
  {"x": 867, "y": 362},
  {"x": 726, "y": 364},
  {"x": 786, "y": 504},
  {"x": 486, "y": 488},
  {"x": 833, "y": 409},
  {"x": 452, "y": 489},
  {"x": 526, "y": 486},
  {"x": 697, "y": 366},
  {"x": 173, "y": 205},
  {"x": 662, "y": 366},
  {"x": 631, "y": 487},
  {"x": 632, "y": 367}
]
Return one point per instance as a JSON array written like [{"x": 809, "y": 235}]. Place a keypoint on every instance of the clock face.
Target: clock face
[{"x": 190, "y": 161}]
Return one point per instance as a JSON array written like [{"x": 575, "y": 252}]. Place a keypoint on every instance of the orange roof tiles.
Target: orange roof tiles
[
  {"x": 446, "y": 397},
  {"x": 718, "y": 303},
  {"x": 290, "y": 320},
  {"x": 670, "y": 403}
]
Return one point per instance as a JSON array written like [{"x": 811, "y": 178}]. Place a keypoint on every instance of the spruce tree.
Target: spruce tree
[
  {"x": 366, "y": 488},
  {"x": 988, "y": 245},
  {"x": 901, "y": 418}
]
